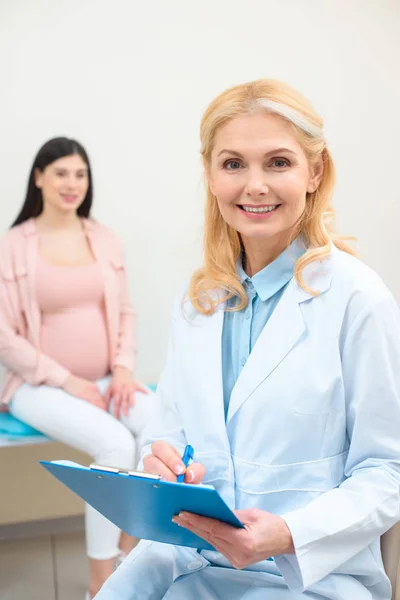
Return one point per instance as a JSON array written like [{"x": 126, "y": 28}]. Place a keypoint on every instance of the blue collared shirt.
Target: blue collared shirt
[{"x": 242, "y": 328}]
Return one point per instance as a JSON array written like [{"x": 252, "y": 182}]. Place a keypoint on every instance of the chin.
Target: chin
[
  {"x": 261, "y": 233},
  {"x": 67, "y": 208}
]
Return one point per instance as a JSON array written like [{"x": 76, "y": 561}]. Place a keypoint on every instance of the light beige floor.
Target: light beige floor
[{"x": 46, "y": 568}]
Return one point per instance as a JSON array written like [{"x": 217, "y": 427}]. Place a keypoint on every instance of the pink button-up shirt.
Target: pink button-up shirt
[{"x": 20, "y": 317}]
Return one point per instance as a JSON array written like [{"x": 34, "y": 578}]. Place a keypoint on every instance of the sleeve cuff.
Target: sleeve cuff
[
  {"x": 290, "y": 570},
  {"x": 302, "y": 569},
  {"x": 58, "y": 376},
  {"x": 125, "y": 361}
]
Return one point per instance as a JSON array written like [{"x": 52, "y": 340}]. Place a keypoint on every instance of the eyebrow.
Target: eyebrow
[
  {"x": 274, "y": 151},
  {"x": 80, "y": 170}
]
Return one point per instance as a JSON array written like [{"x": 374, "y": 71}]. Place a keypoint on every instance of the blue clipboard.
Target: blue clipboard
[{"x": 141, "y": 506}]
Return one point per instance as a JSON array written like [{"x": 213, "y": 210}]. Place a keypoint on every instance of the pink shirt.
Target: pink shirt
[
  {"x": 20, "y": 316},
  {"x": 73, "y": 327}
]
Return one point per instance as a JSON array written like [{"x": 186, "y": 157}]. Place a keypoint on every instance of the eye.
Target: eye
[
  {"x": 280, "y": 163},
  {"x": 232, "y": 165},
  {"x": 60, "y": 173}
]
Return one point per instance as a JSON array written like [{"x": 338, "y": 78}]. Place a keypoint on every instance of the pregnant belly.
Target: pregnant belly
[{"x": 78, "y": 340}]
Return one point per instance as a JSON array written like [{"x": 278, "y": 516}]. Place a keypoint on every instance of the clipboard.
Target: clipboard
[{"x": 141, "y": 504}]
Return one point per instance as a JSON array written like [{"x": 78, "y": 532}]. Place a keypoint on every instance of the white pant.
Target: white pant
[{"x": 89, "y": 429}]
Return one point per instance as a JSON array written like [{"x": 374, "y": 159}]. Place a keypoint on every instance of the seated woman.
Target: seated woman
[
  {"x": 283, "y": 374},
  {"x": 67, "y": 333}
]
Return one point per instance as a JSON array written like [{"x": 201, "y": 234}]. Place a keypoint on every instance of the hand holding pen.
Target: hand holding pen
[{"x": 166, "y": 461}]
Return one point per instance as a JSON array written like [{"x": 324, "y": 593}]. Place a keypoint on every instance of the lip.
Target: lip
[
  {"x": 258, "y": 205},
  {"x": 69, "y": 198},
  {"x": 258, "y": 216}
]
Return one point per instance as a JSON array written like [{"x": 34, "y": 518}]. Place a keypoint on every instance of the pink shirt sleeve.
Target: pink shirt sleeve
[{"x": 20, "y": 356}]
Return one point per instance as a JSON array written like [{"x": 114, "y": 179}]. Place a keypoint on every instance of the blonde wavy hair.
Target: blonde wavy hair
[{"x": 222, "y": 244}]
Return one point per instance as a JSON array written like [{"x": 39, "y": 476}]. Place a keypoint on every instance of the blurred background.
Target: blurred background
[{"x": 130, "y": 80}]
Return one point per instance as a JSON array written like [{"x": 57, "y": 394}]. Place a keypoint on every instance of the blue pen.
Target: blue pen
[{"x": 187, "y": 456}]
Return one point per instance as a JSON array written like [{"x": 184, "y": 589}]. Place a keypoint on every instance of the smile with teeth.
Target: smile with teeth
[{"x": 261, "y": 209}]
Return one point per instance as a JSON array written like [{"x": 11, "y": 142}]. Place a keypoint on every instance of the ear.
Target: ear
[
  {"x": 38, "y": 175},
  {"x": 317, "y": 172}
]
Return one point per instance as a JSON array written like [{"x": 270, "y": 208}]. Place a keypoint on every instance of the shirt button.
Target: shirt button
[
  {"x": 243, "y": 362},
  {"x": 196, "y": 564},
  {"x": 247, "y": 314}
]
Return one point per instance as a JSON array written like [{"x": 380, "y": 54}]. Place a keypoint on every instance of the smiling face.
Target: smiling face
[
  {"x": 260, "y": 177},
  {"x": 64, "y": 183}
]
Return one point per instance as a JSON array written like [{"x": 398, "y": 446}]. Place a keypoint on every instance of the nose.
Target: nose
[
  {"x": 71, "y": 182},
  {"x": 256, "y": 185}
]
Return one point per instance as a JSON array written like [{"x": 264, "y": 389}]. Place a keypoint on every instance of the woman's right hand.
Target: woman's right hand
[
  {"x": 84, "y": 389},
  {"x": 166, "y": 461}
]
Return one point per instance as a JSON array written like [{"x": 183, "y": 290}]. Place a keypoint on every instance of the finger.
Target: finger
[
  {"x": 140, "y": 388},
  {"x": 108, "y": 394},
  {"x": 117, "y": 402},
  {"x": 125, "y": 400},
  {"x": 101, "y": 402},
  {"x": 210, "y": 527},
  {"x": 226, "y": 547},
  {"x": 169, "y": 456},
  {"x": 195, "y": 473},
  {"x": 154, "y": 465},
  {"x": 131, "y": 398},
  {"x": 204, "y": 535}
]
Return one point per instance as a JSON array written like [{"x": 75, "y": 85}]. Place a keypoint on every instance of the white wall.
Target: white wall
[{"x": 131, "y": 79}]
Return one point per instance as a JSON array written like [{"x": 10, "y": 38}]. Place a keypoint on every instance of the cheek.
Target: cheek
[
  {"x": 49, "y": 188},
  {"x": 226, "y": 189},
  {"x": 54, "y": 184},
  {"x": 292, "y": 189}
]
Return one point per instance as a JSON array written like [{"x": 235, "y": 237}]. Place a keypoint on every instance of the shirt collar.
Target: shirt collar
[{"x": 277, "y": 274}]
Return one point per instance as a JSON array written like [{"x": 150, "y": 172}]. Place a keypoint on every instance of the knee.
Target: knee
[{"x": 118, "y": 450}]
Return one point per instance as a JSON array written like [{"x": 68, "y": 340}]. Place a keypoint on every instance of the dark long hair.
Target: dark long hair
[{"x": 48, "y": 153}]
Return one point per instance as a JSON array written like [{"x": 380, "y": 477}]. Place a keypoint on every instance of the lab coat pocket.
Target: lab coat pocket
[
  {"x": 281, "y": 488},
  {"x": 317, "y": 401}
]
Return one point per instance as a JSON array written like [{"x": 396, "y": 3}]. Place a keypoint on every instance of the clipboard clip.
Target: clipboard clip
[{"x": 121, "y": 471}]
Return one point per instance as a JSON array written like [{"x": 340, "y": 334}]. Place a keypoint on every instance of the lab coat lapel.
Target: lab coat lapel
[{"x": 283, "y": 330}]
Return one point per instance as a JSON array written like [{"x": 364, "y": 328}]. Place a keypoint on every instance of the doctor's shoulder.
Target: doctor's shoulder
[{"x": 358, "y": 288}]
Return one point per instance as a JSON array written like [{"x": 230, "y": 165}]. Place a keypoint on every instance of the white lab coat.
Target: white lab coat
[{"x": 312, "y": 434}]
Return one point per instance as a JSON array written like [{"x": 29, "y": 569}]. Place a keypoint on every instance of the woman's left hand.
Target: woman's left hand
[
  {"x": 265, "y": 535},
  {"x": 122, "y": 391}
]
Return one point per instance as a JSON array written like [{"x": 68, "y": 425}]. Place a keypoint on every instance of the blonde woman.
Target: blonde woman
[{"x": 283, "y": 373}]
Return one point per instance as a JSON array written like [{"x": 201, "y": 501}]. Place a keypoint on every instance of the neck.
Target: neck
[
  {"x": 260, "y": 253},
  {"x": 52, "y": 219}
]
